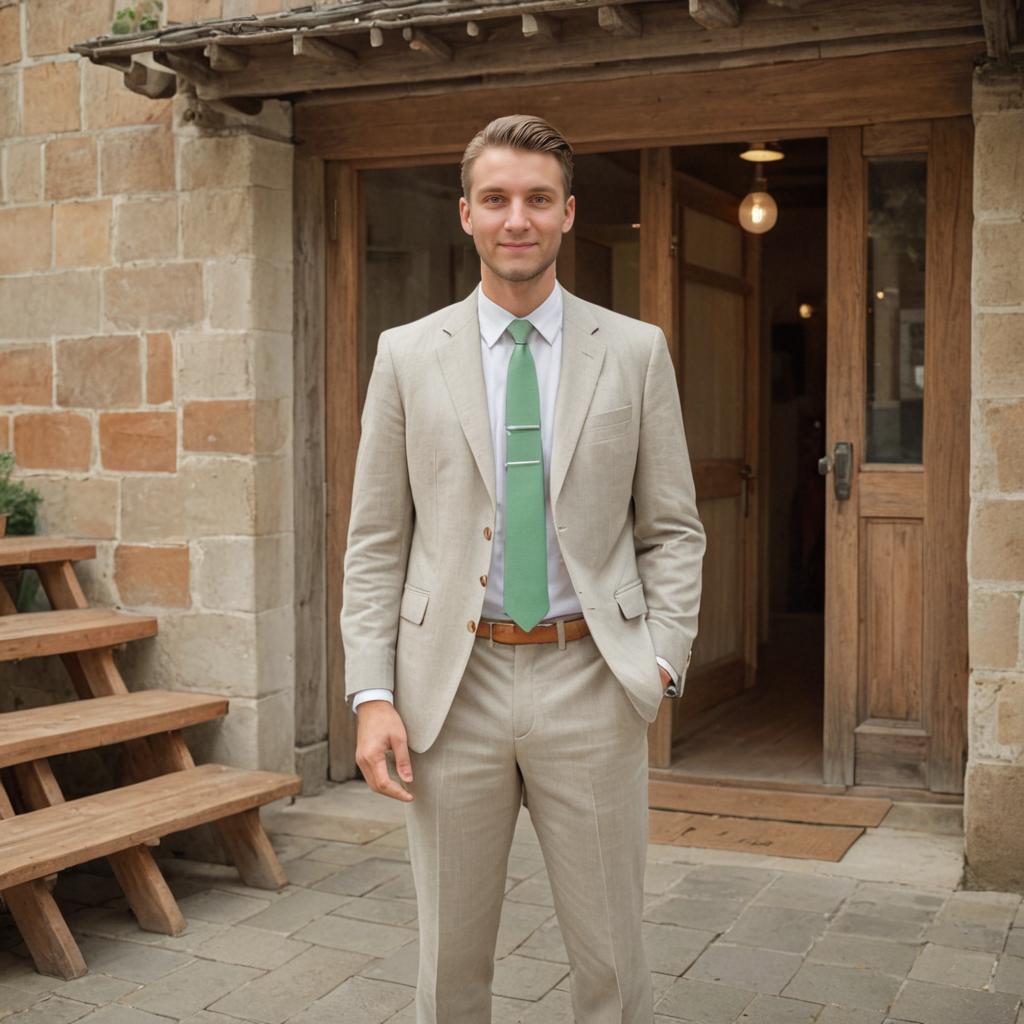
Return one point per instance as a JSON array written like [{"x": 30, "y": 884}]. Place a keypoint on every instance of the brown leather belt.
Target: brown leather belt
[{"x": 504, "y": 632}]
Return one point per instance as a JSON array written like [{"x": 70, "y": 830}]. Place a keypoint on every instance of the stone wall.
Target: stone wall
[
  {"x": 146, "y": 277},
  {"x": 994, "y": 793}
]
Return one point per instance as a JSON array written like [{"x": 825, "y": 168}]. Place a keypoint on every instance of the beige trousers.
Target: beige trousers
[{"x": 558, "y": 724}]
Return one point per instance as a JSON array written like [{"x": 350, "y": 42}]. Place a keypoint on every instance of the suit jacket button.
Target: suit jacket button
[
  {"x": 487, "y": 532},
  {"x": 471, "y": 626},
  {"x": 483, "y": 581}
]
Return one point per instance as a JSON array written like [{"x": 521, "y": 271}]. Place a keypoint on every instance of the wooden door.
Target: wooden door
[
  {"x": 717, "y": 273},
  {"x": 899, "y": 244}
]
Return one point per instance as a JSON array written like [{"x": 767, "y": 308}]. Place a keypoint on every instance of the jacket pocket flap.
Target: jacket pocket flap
[
  {"x": 414, "y": 604},
  {"x": 622, "y": 414},
  {"x": 631, "y": 599}
]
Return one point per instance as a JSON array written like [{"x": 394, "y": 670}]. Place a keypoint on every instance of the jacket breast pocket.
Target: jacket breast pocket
[
  {"x": 602, "y": 426},
  {"x": 631, "y": 599},
  {"x": 414, "y": 604}
]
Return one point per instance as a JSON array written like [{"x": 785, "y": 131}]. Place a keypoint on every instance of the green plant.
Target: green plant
[
  {"x": 140, "y": 18},
  {"x": 17, "y": 499}
]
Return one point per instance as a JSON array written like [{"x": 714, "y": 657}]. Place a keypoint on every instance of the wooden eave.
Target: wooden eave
[{"x": 370, "y": 47}]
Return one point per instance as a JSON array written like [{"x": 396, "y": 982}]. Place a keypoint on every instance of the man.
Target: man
[{"x": 522, "y": 582}]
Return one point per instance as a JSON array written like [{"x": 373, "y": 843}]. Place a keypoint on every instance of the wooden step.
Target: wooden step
[
  {"x": 84, "y": 724},
  {"x": 34, "y": 634},
  {"x": 43, "y": 550},
  {"x": 38, "y": 843}
]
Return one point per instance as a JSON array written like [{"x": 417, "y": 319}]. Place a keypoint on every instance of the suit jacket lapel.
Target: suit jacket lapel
[
  {"x": 582, "y": 358},
  {"x": 463, "y": 371}
]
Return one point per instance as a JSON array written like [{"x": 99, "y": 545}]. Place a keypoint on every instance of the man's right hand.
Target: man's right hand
[{"x": 380, "y": 729}]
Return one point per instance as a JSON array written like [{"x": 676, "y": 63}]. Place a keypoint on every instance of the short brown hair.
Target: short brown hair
[{"x": 521, "y": 131}]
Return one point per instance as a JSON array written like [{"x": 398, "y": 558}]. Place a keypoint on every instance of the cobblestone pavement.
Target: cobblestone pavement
[{"x": 884, "y": 937}]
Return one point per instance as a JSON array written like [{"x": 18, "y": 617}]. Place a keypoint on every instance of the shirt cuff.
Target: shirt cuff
[
  {"x": 378, "y": 694},
  {"x": 668, "y": 668}
]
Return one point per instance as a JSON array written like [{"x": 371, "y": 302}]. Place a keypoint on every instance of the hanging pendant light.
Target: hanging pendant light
[{"x": 758, "y": 211}]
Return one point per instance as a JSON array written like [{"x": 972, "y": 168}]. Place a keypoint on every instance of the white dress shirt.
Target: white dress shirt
[{"x": 496, "y": 347}]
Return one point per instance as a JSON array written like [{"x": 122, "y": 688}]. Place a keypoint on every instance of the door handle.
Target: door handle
[{"x": 840, "y": 464}]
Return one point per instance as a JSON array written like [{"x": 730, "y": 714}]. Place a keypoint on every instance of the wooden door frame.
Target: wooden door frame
[{"x": 653, "y": 114}]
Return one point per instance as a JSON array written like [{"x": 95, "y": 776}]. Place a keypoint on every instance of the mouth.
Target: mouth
[{"x": 517, "y": 245}]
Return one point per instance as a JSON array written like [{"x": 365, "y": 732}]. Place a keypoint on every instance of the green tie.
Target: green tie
[{"x": 526, "y": 554}]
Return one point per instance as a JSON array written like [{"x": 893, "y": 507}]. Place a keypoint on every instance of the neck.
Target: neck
[{"x": 518, "y": 297}]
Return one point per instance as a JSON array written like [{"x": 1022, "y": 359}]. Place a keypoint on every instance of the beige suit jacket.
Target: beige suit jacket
[{"x": 423, "y": 503}]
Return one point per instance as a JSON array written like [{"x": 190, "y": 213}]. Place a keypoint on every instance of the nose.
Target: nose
[{"x": 517, "y": 214}]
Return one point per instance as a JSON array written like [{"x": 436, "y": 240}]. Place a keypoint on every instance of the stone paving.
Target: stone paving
[{"x": 884, "y": 937}]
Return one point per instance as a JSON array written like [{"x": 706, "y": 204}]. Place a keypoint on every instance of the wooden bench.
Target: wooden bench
[{"x": 41, "y": 833}]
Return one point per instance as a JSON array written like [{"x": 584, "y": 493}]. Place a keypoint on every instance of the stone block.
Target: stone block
[
  {"x": 192, "y": 10},
  {"x": 255, "y": 734},
  {"x": 157, "y": 575},
  {"x": 140, "y": 441},
  {"x": 83, "y": 234},
  {"x": 101, "y": 372},
  {"x": 41, "y": 305},
  {"x": 248, "y": 574},
  {"x": 53, "y": 25},
  {"x": 53, "y": 440},
  {"x": 249, "y": 294},
  {"x": 998, "y": 257},
  {"x": 137, "y": 160},
  {"x": 70, "y": 167},
  {"x": 165, "y": 296},
  {"x": 108, "y": 104},
  {"x": 255, "y": 364},
  {"x": 10, "y": 104},
  {"x": 51, "y": 97},
  {"x": 86, "y": 508},
  {"x": 987, "y": 720},
  {"x": 235, "y": 161},
  {"x": 996, "y": 546},
  {"x": 159, "y": 368},
  {"x": 210, "y": 652},
  {"x": 998, "y": 346},
  {"x": 206, "y": 497},
  {"x": 236, "y": 425},
  {"x": 10, "y": 34},
  {"x": 217, "y": 223},
  {"x": 993, "y": 628},
  {"x": 146, "y": 229},
  {"x": 23, "y": 174},
  {"x": 26, "y": 375},
  {"x": 274, "y": 509},
  {"x": 26, "y": 232},
  {"x": 994, "y": 826},
  {"x": 1002, "y": 434},
  {"x": 998, "y": 158}
]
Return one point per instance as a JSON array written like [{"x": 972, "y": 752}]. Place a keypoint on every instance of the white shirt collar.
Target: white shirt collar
[{"x": 546, "y": 318}]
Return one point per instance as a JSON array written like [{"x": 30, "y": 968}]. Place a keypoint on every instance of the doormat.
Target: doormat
[
  {"x": 771, "y": 804},
  {"x": 750, "y": 835}
]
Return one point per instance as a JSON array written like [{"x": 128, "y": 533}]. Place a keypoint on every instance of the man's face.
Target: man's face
[{"x": 516, "y": 212}]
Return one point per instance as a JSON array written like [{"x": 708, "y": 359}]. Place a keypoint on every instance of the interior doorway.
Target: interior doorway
[{"x": 753, "y": 327}]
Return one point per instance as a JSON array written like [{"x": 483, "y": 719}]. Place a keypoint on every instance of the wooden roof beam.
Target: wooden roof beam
[
  {"x": 620, "y": 21},
  {"x": 715, "y": 13},
  {"x": 305, "y": 45},
  {"x": 426, "y": 42},
  {"x": 793, "y": 5},
  {"x": 150, "y": 82},
  {"x": 999, "y": 19},
  {"x": 225, "y": 58},
  {"x": 189, "y": 66},
  {"x": 541, "y": 26}
]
